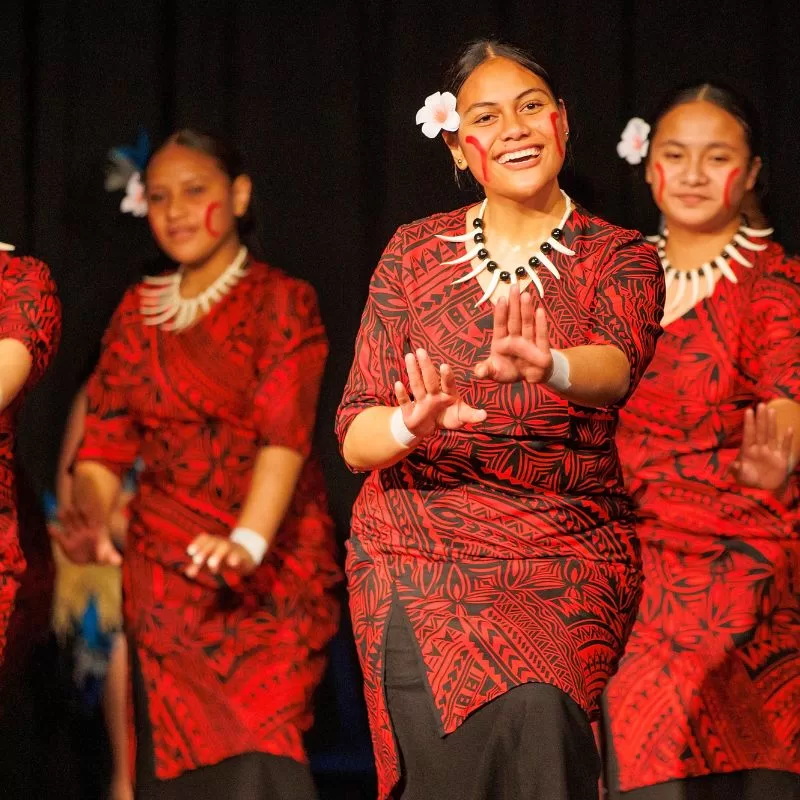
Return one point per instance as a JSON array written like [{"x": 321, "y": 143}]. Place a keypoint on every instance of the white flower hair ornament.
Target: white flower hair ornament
[
  {"x": 438, "y": 113},
  {"x": 134, "y": 201},
  {"x": 635, "y": 142},
  {"x": 6, "y": 248}
]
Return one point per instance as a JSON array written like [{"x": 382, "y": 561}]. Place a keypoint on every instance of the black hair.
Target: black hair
[
  {"x": 481, "y": 50},
  {"x": 231, "y": 163},
  {"x": 724, "y": 97}
]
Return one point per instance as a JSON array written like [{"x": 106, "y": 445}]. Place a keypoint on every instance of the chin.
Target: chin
[{"x": 699, "y": 219}]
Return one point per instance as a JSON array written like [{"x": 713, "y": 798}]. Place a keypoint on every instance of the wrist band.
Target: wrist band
[
  {"x": 255, "y": 544},
  {"x": 559, "y": 378},
  {"x": 402, "y": 435}
]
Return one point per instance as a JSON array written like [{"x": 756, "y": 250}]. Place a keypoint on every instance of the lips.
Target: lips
[{"x": 181, "y": 234}]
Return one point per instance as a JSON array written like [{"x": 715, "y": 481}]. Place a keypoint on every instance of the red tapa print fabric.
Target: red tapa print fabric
[
  {"x": 226, "y": 672},
  {"x": 710, "y": 681},
  {"x": 30, "y": 312},
  {"x": 510, "y": 545}
]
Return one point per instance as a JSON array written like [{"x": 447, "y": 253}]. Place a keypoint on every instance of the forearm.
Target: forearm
[
  {"x": 787, "y": 414},
  {"x": 599, "y": 375},
  {"x": 275, "y": 475},
  {"x": 73, "y": 433},
  {"x": 15, "y": 366},
  {"x": 369, "y": 443},
  {"x": 95, "y": 490}
]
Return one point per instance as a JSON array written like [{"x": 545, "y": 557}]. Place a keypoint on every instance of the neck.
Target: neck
[
  {"x": 198, "y": 277},
  {"x": 533, "y": 219},
  {"x": 688, "y": 248}
]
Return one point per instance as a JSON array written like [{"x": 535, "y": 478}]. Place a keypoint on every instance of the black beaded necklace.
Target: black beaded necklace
[{"x": 539, "y": 259}]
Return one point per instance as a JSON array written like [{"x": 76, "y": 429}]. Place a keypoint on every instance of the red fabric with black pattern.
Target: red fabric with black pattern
[
  {"x": 226, "y": 672},
  {"x": 30, "y": 312},
  {"x": 710, "y": 682},
  {"x": 510, "y": 545}
]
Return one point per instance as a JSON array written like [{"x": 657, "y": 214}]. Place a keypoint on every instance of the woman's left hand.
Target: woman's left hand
[
  {"x": 520, "y": 342},
  {"x": 765, "y": 458},
  {"x": 218, "y": 553}
]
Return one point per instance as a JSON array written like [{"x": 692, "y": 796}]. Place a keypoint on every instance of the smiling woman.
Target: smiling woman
[
  {"x": 494, "y": 572},
  {"x": 210, "y": 374}
]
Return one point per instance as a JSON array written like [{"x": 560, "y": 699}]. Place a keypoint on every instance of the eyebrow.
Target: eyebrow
[
  {"x": 487, "y": 103},
  {"x": 676, "y": 143}
]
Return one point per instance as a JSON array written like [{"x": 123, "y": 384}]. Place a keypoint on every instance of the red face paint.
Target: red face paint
[
  {"x": 484, "y": 156},
  {"x": 660, "y": 185},
  {"x": 209, "y": 213},
  {"x": 556, "y": 132},
  {"x": 726, "y": 197}
]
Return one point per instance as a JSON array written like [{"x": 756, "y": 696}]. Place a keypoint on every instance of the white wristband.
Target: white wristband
[
  {"x": 255, "y": 544},
  {"x": 402, "y": 435},
  {"x": 559, "y": 378}
]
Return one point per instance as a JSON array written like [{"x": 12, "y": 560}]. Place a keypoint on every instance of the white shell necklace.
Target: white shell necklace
[
  {"x": 538, "y": 259},
  {"x": 161, "y": 302},
  {"x": 692, "y": 277}
]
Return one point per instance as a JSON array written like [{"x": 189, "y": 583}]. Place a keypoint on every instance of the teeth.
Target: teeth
[{"x": 530, "y": 151}]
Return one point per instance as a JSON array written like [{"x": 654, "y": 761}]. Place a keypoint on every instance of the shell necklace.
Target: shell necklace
[
  {"x": 742, "y": 238},
  {"x": 538, "y": 259},
  {"x": 161, "y": 302}
]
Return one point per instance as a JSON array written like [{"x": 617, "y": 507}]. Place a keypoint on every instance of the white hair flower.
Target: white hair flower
[
  {"x": 634, "y": 143},
  {"x": 134, "y": 201},
  {"x": 6, "y": 248},
  {"x": 438, "y": 112}
]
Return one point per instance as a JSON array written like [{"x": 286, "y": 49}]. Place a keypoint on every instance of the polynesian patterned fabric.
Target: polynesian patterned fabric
[
  {"x": 227, "y": 670},
  {"x": 710, "y": 681},
  {"x": 30, "y": 312},
  {"x": 510, "y": 545}
]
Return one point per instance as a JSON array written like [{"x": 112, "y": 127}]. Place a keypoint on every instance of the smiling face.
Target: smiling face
[
  {"x": 512, "y": 132},
  {"x": 192, "y": 204},
  {"x": 700, "y": 166}
]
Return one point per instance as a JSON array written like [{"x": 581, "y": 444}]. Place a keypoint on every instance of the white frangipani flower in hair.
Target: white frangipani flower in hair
[
  {"x": 6, "y": 248},
  {"x": 134, "y": 201},
  {"x": 634, "y": 143},
  {"x": 438, "y": 112}
]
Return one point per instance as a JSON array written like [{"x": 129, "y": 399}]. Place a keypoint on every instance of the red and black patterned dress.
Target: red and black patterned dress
[
  {"x": 225, "y": 671},
  {"x": 510, "y": 546},
  {"x": 30, "y": 312},
  {"x": 710, "y": 681}
]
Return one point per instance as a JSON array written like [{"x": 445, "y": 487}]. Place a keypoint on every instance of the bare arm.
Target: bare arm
[
  {"x": 15, "y": 367},
  {"x": 73, "y": 433}
]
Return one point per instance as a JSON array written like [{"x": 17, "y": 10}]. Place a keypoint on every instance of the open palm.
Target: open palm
[
  {"x": 765, "y": 458},
  {"x": 437, "y": 402},
  {"x": 520, "y": 348}
]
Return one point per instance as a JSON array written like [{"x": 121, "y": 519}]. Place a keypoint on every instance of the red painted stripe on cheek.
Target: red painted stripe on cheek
[
  {"x": 483, "y": 154},
  {"x": 209, "y": 212},
  {"x": 660, "y": 185},
  {"x": 556, "y": 132},
  {"x": 726, "y": 197}
]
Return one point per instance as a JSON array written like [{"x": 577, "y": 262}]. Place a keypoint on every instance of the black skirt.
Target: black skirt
[
  {"x": 250, "y": 776},
  {"x": 532, "y": 743}
]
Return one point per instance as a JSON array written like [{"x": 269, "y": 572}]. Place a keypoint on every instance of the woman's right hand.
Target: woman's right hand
[
  {"x": 84, "y": 541},
  {"x": 437, "y": 402}
]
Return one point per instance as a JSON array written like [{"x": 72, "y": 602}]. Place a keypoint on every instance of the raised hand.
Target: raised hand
[
  {"x": 765, "y": 458},
  {"x": 218, "y": 553},
  {"x": 520, "y": 343},
  {"x": 437, "y": 402}
]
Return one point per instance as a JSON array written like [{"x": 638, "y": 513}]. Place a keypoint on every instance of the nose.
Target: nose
[
  {"x": 694, "y": 175},
  {"x": 515, "y": 127},
  {"x": 175, "y": 207}
]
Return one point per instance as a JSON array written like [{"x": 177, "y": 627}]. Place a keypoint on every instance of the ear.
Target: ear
[
  {"x": 451, "y": 140},
  {"x": 752, "y": 175},
  {"x": 562, "y": 111},
  {"x": 648, "y": 171},
  {"x": 241, "y": 191}
]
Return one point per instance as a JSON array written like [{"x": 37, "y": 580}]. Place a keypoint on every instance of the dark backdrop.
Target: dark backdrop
[{"x": 321, "y": 96}]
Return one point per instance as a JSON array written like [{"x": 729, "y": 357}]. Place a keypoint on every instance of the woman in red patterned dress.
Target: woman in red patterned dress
[
  {"x": 706, "y": 703},
  {"x": 30, "y": 327},
  {"x": 493, "y": 566},
  {"x": 210, "y": 374}
]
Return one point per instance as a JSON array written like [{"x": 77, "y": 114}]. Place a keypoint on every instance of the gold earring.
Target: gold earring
[
  {"x": 566, "y": 134},
  {"x": 460, "y": 161}
]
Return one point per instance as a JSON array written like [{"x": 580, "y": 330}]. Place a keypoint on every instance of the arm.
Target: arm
[
  {"x": 629, "y": 306},
  {"x": 73, "y": 433},
  {"x": 290, "y": 375},
  {"x": 30, "y": 326}
]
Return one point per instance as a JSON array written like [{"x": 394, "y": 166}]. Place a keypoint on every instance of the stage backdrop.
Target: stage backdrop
[{"x": 322, "y": 96}]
